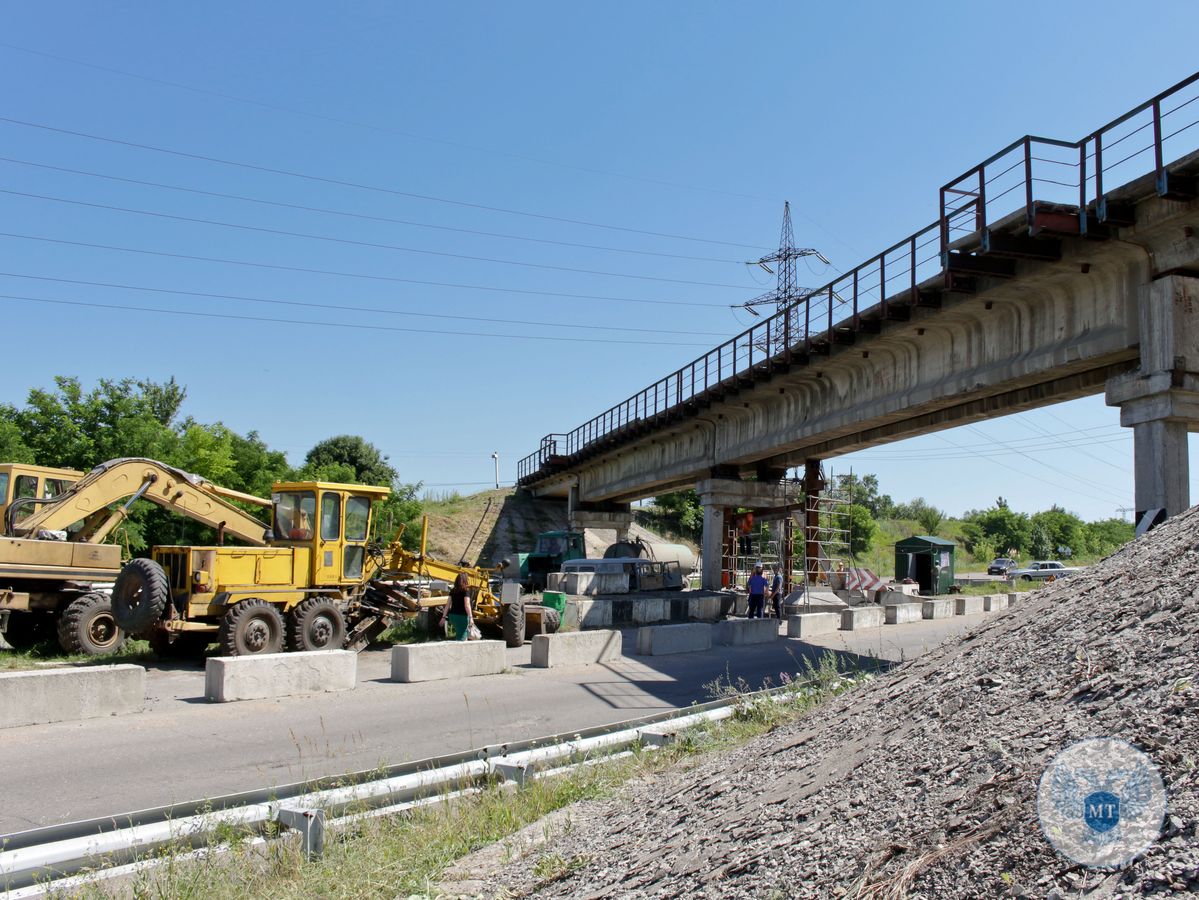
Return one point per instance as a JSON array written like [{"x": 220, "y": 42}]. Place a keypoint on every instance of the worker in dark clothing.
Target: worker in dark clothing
[
  {"x": 458, "y": 611},
  {"x": 756, "y": 586},
  {"x": 776, "y": 594}
]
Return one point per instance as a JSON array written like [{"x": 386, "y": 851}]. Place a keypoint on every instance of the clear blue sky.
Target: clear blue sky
[{"x": 694, "y": 119}]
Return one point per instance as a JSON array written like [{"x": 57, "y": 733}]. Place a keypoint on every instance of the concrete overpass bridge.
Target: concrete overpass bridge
[{"x": 1055, "y": 270}]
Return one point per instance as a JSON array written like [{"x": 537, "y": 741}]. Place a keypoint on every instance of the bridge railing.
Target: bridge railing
[{"x": 1031, "y": 170}]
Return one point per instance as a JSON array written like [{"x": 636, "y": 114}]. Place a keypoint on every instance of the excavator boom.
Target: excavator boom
[{"x": 89, "y": 499}]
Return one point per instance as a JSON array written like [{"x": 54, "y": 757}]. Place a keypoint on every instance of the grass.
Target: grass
[
  {"x": 48, "y": 654},
  {"x": 407, "y": 855}
]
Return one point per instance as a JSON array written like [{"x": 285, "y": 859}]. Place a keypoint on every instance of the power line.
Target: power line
[
  {"x": 353, "y": 325},
  {"x": 371, "y": 126},
  {"x": 1075, "y": 433},
  {"x": 1035, "y": 427},
  {"x": 343, "y": 308},
  {"x": 1052, "y": 468},
  {"x": 361, "y": 275},
  {"x": 354, "y": 215},
  {"x": 321, "y": 179},
  {"x": 356, "y": 243}
]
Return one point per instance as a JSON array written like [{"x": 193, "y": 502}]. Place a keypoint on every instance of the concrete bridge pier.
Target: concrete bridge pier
[
  {"x": 720, "y": 497},
  {"x": 616, "y": 517},
  {"x": 1160, "y": 400}
]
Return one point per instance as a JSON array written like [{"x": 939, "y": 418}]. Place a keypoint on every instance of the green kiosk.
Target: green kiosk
[{"x": 926, "y": 560}]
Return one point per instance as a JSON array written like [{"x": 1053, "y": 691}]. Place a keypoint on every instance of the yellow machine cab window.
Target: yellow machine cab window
[
  {"x": 295, "y": 513},
  {"x": 358, "y": 515}
]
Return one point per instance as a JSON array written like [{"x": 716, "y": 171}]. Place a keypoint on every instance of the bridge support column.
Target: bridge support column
[
  {"x": 615, "y": 517},
  {"x": 1160, "y": 401},
  {"x": 719, "y": 497}
]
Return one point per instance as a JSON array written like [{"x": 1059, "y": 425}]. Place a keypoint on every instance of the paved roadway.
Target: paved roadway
[{"x": 183, "y": 748}]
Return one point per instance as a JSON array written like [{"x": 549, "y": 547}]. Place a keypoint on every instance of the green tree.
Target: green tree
[
  {"x": 681, "y": 513},
  {"x": 12, "y": 442},
  {"x": 923, "y": 512},
  {"x": 364, "y": 459},
  {"x": 1039, "y": 544},
  {"x": 862, "y": 529},
  {"x": 1065, "y": 531},
  {"x": 1108, "y": 535},
  {"x": 864, "y": 491},
  {"x": 1005, "y": 529}
]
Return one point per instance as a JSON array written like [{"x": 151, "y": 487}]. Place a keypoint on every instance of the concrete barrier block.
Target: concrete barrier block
[
  {"x": 967, "y": 606},
  {"x": 229, "y": 678},
  {"x": 578, "y": 648},
  {"x": 937, "y": 609},
  {"x": 570, "y": 617},
  {"x": 661, "y": 640},
  {"x": 804, "y": 625},
  {"x": 994, "y": 602},
  {"x": 857, "y": 617},
  {"x": 737, "y": 632},
  {"x": 703, "y": 608},
  {"x": 595, "y": 613},
  {"x": 902, "y": 613},
  {"x": 64, "y": 695},
  {"x": 1013, "y": 598},
  {"x": 446, "y": 659},
  {"x": 647, "y": 610}
]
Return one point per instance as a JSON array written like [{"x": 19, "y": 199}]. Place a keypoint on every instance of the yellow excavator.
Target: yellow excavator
[{"x": 53, "y": 564}]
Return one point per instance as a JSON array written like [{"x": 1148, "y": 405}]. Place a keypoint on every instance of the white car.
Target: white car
[{"x": 1043, "y": 570}]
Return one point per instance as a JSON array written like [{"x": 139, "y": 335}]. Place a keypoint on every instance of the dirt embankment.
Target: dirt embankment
[{"x": 924, "y": 783}]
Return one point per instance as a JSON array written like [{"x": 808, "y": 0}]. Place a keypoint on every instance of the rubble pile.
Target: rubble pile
[{"x": 923, "y": 783}]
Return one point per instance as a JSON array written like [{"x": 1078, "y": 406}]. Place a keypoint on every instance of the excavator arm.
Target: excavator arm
[{"x": 89, "y": 501}]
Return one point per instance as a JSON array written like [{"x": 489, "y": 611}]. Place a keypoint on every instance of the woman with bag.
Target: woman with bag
[{"x": 458, "y": 611}]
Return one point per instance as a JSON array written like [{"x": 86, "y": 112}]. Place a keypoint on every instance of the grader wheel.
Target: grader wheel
[
  {"x": 316, "y": 624},
  {"x": 88, "y": 626},
  {"x": 512, "y": 623},
  {"x": 250, "y": 627}
]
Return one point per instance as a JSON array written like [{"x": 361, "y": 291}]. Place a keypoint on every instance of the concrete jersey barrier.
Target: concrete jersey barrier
[
  {"x": 661, "y": 640},
  {"x": 576, "y": 648},
  {"x": 861, "y": 617},
  {"x": 446, "y": 659},
  {"x": 802, "y": 625},
  {"x": 737, "y": 632},
  {"x": 64, "y": 695},
  {"x": 261, "y": 677},
  {"x": 902, "y": 613},
  {"x": 937, "y": 608}
]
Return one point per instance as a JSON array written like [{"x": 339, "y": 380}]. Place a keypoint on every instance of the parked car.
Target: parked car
[
  {"x": 1001, "y": 566},
  {"x": 1043, "y": 570}
]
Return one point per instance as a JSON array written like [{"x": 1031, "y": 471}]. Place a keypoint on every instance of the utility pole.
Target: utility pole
[{"x": 496, "y": 457}]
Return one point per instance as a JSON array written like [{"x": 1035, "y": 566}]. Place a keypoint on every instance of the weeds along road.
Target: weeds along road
[{"x": 184, "y": 748}]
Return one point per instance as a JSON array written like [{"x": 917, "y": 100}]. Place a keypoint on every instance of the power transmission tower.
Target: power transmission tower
[{"x": 787, "y": 290}]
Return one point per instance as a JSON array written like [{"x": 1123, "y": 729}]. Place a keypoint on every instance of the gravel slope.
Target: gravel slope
[{"x": 923, "y": 783}]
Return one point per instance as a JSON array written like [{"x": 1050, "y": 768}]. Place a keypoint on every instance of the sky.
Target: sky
[{"x": 454, "y": 228}]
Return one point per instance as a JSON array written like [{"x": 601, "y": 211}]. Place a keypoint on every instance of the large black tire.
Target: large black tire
[
  {"x": 249, "y": 628},
  {"x": 140, "y": 595},
  {"x": 551, "y": 619},
  {"x": 1026, "y": 578},
  {"x": 26, "y": 629},
  {"x": 316, "y": 624},
  {"x": 88, "y": 626},
  {"x": 179, "y": 644},
  {"x": 512, "y": 622}
]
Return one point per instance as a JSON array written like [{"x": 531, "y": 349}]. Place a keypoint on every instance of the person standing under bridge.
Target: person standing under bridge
[
  {"x": 776, "y": 593},
  {"x": 756, "y": 586}
]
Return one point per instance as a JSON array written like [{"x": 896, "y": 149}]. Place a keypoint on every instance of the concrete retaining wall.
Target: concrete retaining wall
[
  {"x": 937, "y": 609},
  {"x": 446, "y": 659},
  {"x": 229, "y": 678},
  {"x": 577, "y": 648},
  {"x": 902, "y": 613},
  {"x": 660, "y": 640},
  {"x": 736, "y": 632},
  {"x": 804, "y": 625},
  {"x": 994, "y": 602},
  {"x": 861, "y": 617},
  {"x": 967, "y": 606},
  {"x": 63, "y": 695}
]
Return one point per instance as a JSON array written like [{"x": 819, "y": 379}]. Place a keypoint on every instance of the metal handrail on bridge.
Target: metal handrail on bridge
[{"x": 1068, "y": 175}]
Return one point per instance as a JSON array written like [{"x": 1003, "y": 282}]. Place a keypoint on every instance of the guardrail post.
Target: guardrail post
[{"x": 1028, "y": 179}]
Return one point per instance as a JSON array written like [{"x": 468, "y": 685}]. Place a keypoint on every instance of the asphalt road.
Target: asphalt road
[{"x": 184, "y": 748}]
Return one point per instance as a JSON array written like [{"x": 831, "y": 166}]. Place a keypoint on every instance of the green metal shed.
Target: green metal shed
[{"x": 926, "y": 560}]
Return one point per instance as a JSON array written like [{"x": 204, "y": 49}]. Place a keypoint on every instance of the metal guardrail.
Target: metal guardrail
[
  {"x": 1069, "y": 174},
  {"x": 35, "y": 859}
]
